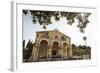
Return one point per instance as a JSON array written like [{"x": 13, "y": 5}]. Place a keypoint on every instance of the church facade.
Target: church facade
[{"x": 51, "y": 45}]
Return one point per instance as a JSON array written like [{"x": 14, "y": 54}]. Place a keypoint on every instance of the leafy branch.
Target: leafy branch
[{"x": 44, "y": 18}]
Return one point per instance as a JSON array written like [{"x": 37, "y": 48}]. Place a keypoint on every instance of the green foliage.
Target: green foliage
[
  {"x": 44, "y": 18},
  {"x": 73, "y": 46},
  {"x": 27, "y": 51},
  {"x": 23, "y": 43},
  {"x": 81, "y": 50}
]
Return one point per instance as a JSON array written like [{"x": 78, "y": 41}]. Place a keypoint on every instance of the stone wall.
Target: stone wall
[{"x": 57, "y": 44}]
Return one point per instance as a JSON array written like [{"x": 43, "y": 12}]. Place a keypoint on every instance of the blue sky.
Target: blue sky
[{"x": 73, "y": 32}]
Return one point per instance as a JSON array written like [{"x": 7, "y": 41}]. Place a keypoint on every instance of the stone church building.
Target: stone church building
[{"x": 51, "y": 45}]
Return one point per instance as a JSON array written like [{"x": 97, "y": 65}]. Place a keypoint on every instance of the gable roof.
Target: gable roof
[{"x": 52, "y": 31}]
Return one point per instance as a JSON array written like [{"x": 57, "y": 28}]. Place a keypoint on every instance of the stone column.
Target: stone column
[
  {"x": 49, "y": 51},
  {"x": 70, "y": 49},
  {"x": 66, "y": 53},
  {"x": 60, "y": 49},
  {"x": 50, "y": 47},
  {"x": 33, "y": 53},
  {"x": 61, "y": 52},
  {"x": 37, "y": 52}
]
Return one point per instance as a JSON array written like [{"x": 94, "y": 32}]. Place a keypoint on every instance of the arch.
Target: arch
[
  {"x": 44, "y": 42},
  {"x": 55, "y": 49},
  {"x": 65, "y": 46},
  {"x": 43, "y": 49},
  {"x": 65, "y": 49},
  {"x": 55, "y": 44}
]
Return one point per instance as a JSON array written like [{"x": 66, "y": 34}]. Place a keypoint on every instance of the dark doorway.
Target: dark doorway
[
  {"x": 54, "y": 53},
  {"x": 55, "y": 45}
]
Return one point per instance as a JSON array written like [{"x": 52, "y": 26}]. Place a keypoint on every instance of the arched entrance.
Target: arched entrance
[
  {"x": 55, "y": 49},
  {"x": 64, "y": 45},
  {"x": 43, "y": 49}
]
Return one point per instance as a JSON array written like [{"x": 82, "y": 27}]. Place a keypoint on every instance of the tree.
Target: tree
[
  {"x": 27, "y": 52},
  {"x": 44, "y": 18},
  {"x": 23, "y": 44},
  {"x": 85, "y": 38},
  {"x": 73, "y": 46}
]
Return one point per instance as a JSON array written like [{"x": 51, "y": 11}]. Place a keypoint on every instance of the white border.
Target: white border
[
  {"x": 17, "y": 52},
  {"x": 13, "y": 37}
]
